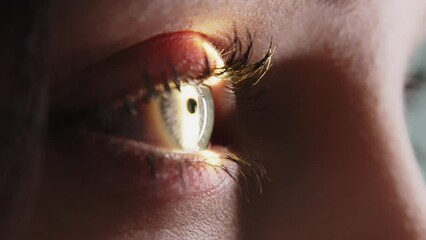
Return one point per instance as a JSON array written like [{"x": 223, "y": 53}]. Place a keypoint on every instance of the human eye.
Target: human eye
[
  {"x": 157, "y": 104},
  {"x": 415, "y": 96}
]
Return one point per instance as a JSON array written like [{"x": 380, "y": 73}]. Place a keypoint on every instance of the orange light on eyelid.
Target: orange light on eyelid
[
  {"x": 215, "y": 61},
  {"x": 165, "y": 57}
]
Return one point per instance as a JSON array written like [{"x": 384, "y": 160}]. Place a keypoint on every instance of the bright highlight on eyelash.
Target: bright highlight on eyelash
[
  {"x": 217, "y": 61},
  {"x": 188, "y": 116}
]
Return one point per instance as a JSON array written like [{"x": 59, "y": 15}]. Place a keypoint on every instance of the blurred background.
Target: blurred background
[{"x": 416, "y": 105}]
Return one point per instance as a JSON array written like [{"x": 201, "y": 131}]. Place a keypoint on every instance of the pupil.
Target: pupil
[{"x": 192, "y": 105}]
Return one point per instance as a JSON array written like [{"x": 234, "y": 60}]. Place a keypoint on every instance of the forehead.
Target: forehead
[{"x": 88, "y": 31}]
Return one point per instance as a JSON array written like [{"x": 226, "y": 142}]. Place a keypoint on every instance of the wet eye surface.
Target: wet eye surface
[
  {"x": 189, "y": 116},
  {"x": 178, "y": 119}
]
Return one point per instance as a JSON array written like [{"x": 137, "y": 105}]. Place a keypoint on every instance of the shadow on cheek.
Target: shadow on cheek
[
  {"x": 88, "y": 193},
  {"x": 323, "y": 145}
]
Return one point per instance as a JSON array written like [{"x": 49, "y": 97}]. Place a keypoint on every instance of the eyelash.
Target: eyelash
[
  {"x": 250, "y": 170},
  {"x": 243, "y": 77}
]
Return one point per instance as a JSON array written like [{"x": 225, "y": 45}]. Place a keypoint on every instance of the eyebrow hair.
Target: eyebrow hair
[{"x": 24, "y": 116}]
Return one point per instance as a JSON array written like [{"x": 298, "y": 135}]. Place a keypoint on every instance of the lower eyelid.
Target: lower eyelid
[{"x": 161, "y": 173}]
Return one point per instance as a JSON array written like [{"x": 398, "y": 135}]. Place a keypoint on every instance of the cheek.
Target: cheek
[{"x": 86, "y": 195}]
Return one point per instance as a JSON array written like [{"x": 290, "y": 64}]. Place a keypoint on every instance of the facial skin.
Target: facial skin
[{"x": 334, "y": 141}]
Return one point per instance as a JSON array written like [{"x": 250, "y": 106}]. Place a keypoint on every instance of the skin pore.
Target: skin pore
[{"x": 334, "y": 141}]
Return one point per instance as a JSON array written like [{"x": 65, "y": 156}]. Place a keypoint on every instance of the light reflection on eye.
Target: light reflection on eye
[{"x": 187, "y": 116}]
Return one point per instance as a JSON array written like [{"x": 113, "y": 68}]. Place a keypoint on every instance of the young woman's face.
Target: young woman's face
[{"x": 332, "y": 136}]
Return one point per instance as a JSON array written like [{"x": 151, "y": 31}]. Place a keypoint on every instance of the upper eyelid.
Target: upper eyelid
[
  {"x": 87, "y": 89},
  {"x": 117, "y": 75}
]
